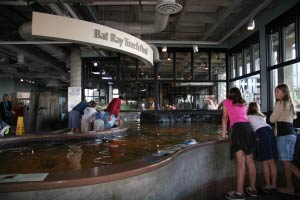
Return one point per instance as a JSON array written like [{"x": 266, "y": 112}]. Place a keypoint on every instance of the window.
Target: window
[
  {"x": 201, "y": 66},
  {"x": 255, "y": 50},
  {"x": 232, "y": 66},
  {"x": 274, "y": 47},
  {"x": 239, "y": 58},
  {"x": 183, "y": 66},
  {"x": 166, "y": 70},
  {"x": 218, "y": 66},
  {"x": 247, "y": 55},
  {"x": 289, "y": 75},
  {"x": 289, "y": 42},
  {"x": 249, "y": 87}
]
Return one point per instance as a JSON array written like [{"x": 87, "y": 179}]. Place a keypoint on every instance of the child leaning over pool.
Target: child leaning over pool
[
  {"x": 267, "y": 146},
  {"x": 242, "y": 142}
]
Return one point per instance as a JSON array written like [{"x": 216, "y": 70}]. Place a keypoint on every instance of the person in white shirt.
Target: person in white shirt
[
  {"x": 267, "y": 146},
  {"x": 88, "y": 117}
]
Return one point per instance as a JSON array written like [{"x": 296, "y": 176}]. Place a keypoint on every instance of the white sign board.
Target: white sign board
[
  {"x": 23, "y": 95},
  {"x": 79, "y": 31},
  {"x": 74, "y": 97}
]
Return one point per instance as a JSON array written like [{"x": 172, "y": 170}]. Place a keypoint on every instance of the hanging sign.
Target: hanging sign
[{"x": 92, "y": 34}]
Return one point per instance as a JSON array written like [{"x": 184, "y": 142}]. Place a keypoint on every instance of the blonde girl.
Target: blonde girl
[
  {"x": 283, "y": 115},
  {"x": 266, "y": 145}
]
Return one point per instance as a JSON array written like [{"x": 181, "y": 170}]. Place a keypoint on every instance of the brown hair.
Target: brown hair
[
  {"x": 287, "y": 98},
  {"x": 253, "y": 109},
  {"x": 235, "y": 96}
]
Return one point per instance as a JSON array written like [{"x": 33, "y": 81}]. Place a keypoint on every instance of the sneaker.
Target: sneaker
[
  {"x": 233, "y": 195},
  {"x": 250, "y": 192}
]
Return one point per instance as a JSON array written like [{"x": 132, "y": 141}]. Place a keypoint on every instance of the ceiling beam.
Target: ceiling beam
[{"x": 222, "y": 17}]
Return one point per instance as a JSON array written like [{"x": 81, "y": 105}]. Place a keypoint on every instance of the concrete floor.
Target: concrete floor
[{"x": 276, "y": 196}]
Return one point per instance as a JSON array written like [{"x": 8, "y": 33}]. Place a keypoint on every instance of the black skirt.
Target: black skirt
[{"x": 243, "y": 138}]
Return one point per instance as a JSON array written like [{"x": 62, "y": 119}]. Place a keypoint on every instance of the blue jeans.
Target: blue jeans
[
  {"x": 286, "y": 146},
  {"x": 108, "y": 124}
]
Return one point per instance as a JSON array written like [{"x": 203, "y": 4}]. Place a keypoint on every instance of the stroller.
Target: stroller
[{"x": 4, "y": 128}]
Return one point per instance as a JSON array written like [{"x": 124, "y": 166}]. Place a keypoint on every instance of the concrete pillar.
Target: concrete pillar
[{"x": 75, "y": 64}]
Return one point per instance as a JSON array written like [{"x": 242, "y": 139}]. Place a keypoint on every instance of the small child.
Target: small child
[
  {"x": 283, "y": 114},
  {"x": 267, "y": 146}
]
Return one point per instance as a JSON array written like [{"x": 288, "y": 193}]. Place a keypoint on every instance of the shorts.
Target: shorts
[
  {"x": 286, "y": 146},
  {"x": 243, "y": 138},
  {"x": 267, "y": 144}
]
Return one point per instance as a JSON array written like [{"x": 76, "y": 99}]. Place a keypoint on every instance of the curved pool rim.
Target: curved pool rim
[{"x": 91, "y": 176}]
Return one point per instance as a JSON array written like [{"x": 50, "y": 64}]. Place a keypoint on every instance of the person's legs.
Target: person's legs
[
  {"x": 266, "y": 171},
  {"x": 273, "y": 169},
  {"x": 240, "y": 170},
  {"x": 288, "y": 178},
  {"x": 295, "y": 170},
  {"x": 251, "y": 170}
]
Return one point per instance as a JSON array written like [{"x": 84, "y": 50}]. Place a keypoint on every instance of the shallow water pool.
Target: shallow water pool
[{"x": 140, "y": 141}]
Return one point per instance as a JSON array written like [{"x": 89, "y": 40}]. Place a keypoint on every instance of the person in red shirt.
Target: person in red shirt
[{"x": 112, "y": 112}]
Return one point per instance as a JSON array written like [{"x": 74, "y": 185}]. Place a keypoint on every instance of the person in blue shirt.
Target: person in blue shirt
[
  {"x": 6, "y": 110},
  {"x": 75, "y": 116}
]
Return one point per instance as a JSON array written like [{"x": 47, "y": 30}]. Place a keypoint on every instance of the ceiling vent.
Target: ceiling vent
[{"x": 168, "y": 7}]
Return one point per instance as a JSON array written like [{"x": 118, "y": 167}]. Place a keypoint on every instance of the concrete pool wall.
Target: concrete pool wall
[{"x": 171, "y": 178}]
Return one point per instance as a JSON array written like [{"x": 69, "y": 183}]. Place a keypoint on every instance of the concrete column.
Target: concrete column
[{"x": 75, "y": 64}]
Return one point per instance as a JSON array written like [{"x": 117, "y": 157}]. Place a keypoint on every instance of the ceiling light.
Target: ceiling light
[
  {"x": 169, "y": 57},
  {"x": 251, "y": 25},
  {"x": 164, "y": 48},
  {"x": 95, "y": 64},
  {"x": 21, "y": 80},
  {"x": 195, "y": 48}
]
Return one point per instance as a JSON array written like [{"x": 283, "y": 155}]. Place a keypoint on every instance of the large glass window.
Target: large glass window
[
  {"x": 218, "y": 66},
  {"x": 146, "y": 72},
  {"x": 232, "y": 66},
  {"x": 247, "y": 55},
  {"x": 239, "y": 62},
  {"x": 255, "y": 50},
  {"x": 249, "y": 87},
  {"x": 128, "y": 68},
  {"x": 183, "y": 66},
  {"x": 201, "y": 66},
  {"x": 289, "y": 42},
  {"x": 166, "y": 70},
  {"x": 289, "y": 75},
  {"x": 274, "y": 47}
]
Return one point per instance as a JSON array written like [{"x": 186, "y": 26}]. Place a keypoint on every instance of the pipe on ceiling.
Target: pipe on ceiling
[
  {"x": 155, "y": 54},
  {"x": 159, "y": 24}
]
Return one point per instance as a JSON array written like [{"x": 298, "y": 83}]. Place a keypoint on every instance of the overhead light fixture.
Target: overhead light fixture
[
  {"x": 251, "y": 25},
  {"x": 164, "y": 48},
  {"x": 95, "y": 64},
  {"x": 21, "y": 80},
  {"x": 195, "y": 48},
  {"x": 169, "y": 57}
]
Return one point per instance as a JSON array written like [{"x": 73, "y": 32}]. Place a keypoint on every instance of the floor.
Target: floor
[{"x": 276, "y": 196}]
